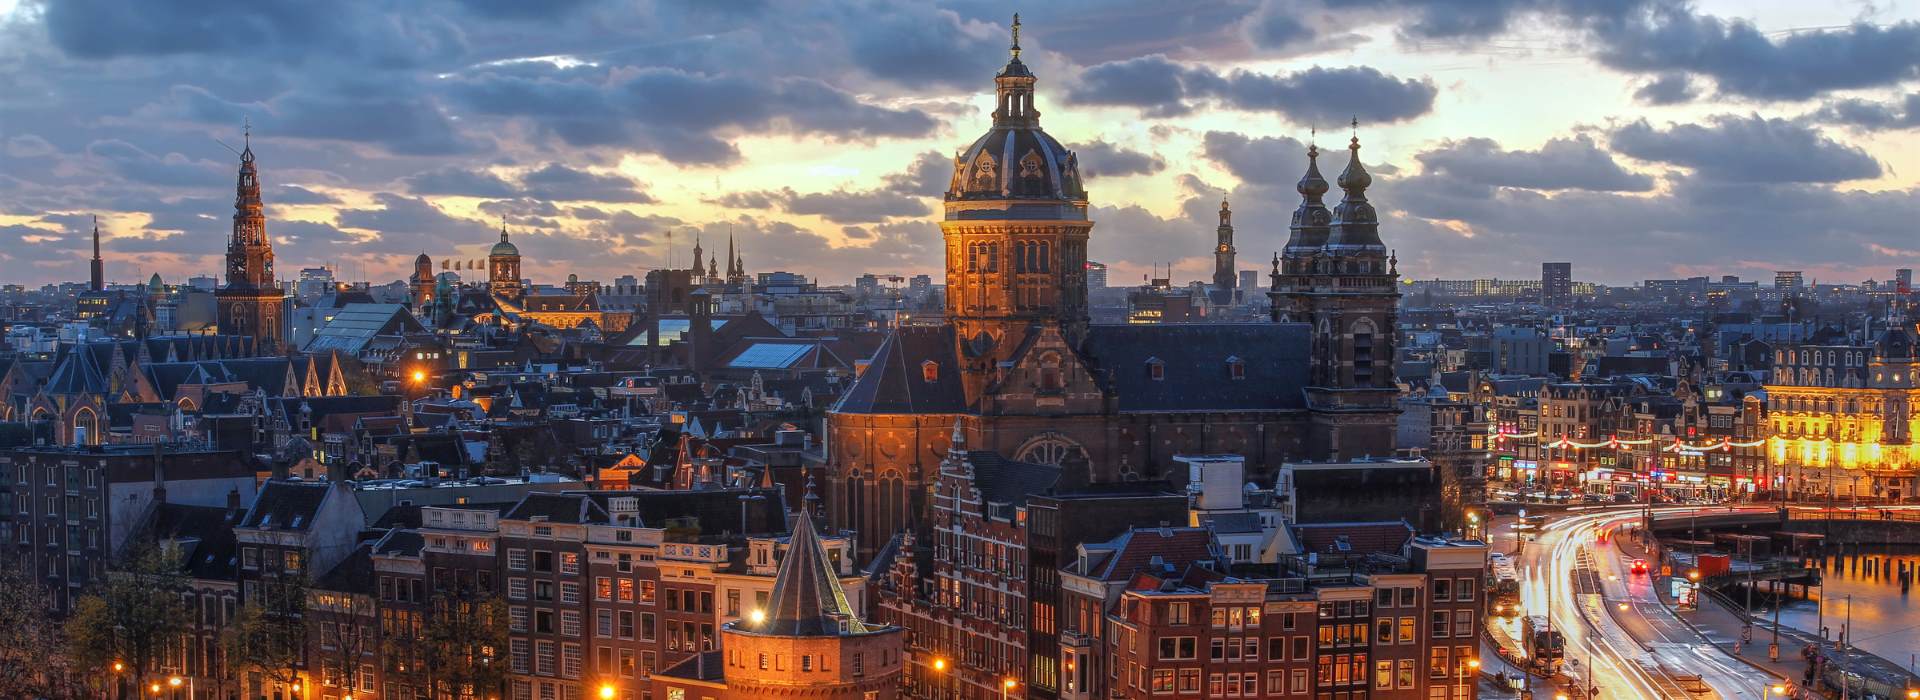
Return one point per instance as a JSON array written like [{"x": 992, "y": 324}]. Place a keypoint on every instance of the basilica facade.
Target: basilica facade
[{"x": 1017, "y": 369}]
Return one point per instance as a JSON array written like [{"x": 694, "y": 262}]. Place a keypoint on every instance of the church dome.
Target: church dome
[
  {"x": 505, "y": 247},
  {"x": 1016, "y": 170},
  {"x": 1894, "y": 344}
]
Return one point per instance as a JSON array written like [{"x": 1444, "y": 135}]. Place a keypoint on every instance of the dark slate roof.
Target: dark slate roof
[
  {"x": 895, "y": 383},
  {"x": 557, "y": 508},
  {"x": 1232, "y": 523},
  {"x": 1194, "y": 358},
  {"x": 212, "y": 555},
  {"x": 400, "y": 542},
  {"x": 286, "y": 505},
  {"x": 1003, "y": 480},
  {"x": 352, "y": 575},
  {"x": 807, "y": 599},
  {"x": 704, "y": 666}
]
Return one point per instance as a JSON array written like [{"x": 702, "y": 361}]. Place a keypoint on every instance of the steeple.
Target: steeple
[
  {"x": 696, "y": 254},
  {"x": 1014, "y": 107},
  {"x": 730, "y": 271},
  {"x": 1355, "y": 227},
  {"x": 1223, "y": 264},
  {"x": 807, "y": 599},
  {"x": 99, "y": 276},
  {"x": 250, "y": 302},
  {"x": 1308, "y": 232}
]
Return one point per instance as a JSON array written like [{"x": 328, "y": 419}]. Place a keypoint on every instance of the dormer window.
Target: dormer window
[
  {"x": 1236, "y": 368},
  {"x": 930, "y": 371},
  {"x": 1156, "y": 370}
]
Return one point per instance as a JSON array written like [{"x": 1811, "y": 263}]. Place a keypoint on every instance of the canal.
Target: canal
[{"x": 1885, "y": 617}]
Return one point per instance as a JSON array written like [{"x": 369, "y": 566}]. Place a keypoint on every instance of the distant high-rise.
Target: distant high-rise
[
  {"x": 1903, "y": 281},
  {"x": 251, "y": 302},
  {"x": 1096, "y": 275},
  {"x": 1556, "y": 284},
  {"x": 1785, "y": 280}
]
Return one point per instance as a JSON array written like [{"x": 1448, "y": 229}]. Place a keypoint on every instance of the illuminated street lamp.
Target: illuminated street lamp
[
  {"x": 1693, "y": 574},
  {"x": 1007, "y": 684},
  {"x": 940, "y": 664},
  {"x": 419, "y": 376},
  {"x": 606, "y": 691},
  {"x": 757, "y": 616}
]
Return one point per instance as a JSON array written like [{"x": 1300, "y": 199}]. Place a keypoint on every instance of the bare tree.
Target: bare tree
[
  {"x": 345, "y": 622},
  {"x": 466, "y": 644},
  {"x": 269, "y": 634},
  {"x": 133, "y": 616},
  {"x": 30, "y": 661}
]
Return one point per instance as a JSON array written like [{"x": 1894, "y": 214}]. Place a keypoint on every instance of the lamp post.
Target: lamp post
[{"x": 1007, "y": 685}]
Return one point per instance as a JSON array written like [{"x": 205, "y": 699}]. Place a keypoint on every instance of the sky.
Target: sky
[{"x": 1639, "y": 139}]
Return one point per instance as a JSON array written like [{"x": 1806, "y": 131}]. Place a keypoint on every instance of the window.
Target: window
[
  {"x": 1463, "y": 623},
  {"x": 543, "y": 658},
  {"x": 626, "y": 589},
  {"x": 1437, "y": 623},
  {"x": 1463, "y": 590},
  {"x": 1383, "y": 597},
  {"x": 1162, "y": 681},
  {"x": 570, "y": 563},
  {"x": 1383, "y": 629},
  {"x": 516, "y": 619},
  {"x": 1178, "y": 648},
  {"x": 1156, "y": 370},
  {"x": 543, "y": 561},
  {"x": 1437, "y": 662},
  {"x": 516, "y": 560},
  {"x": 1383, "y": 675},
  {"x": 1407, "y": 631},
  {"x": 603, "y": 623},
  {"x": 1403, "y": 676},
  {"x": 1176, "y": 613},
  {"x": 1236, "y": 369},
  {"x": 1442, "y": 590},
  {"x": 1409, "y": 596},
  {"x": 603, "y": 588},
  {"x": 1299, "y": 682},
  {"x": 626, "y": 624},
  {"x": 570, "y": 623}
]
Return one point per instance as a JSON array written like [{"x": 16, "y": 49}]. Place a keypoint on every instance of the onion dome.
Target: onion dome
[
  {"x": 504, "y": 248},
  {"x": 1310, "y": 219},
  {"x": 1015, "y": 170},
  {"x": 423, "y": 261},
  {"x": 1355, "y": 228}
]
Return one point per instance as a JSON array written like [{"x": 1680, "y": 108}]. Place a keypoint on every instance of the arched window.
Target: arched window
[
  {"x": 1051, "y": 378},
  {"x": 1236, "y": 368},
  {"x": 1046, "y": 254}
]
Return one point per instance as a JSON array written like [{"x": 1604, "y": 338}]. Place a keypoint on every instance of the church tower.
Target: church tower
[
  {"x": 422, "y": 283},
  {"x": 1335, "y": 275},
  {"x": 98, "y": 280},
  {"x": 251, "y": 302},
  {"x": 503, "y": 268},
  {"x": 1223, "y": 272},
  {"x": 1015, "y": 231}
]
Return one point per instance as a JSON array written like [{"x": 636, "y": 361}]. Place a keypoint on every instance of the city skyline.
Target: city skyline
[{"x": 821, "y": 141}]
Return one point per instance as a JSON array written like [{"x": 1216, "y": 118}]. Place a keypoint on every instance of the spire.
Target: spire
[
  {"x": 1014, "y": 106},
  {"x": 696, "y": 253},
  {"x": 97, "y": 279},
  {"x": 730, "y": 270},
  {"x": 1226, "y": 215},
  {"x": 807, "y": 600},
  {"x": 1355, "y": 178},
  {"x": 503, "y": 229},
  {"x": 1309, "y": 228}
]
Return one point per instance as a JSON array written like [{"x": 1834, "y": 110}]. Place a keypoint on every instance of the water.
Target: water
[{"x": 1886, "y": 621}]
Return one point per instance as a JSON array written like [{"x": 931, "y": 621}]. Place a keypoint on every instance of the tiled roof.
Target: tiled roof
[
  {"x": 1135, "y": 551},
  {"x": 896, "y": 380},
  {"x": 1354, "y": 538}
]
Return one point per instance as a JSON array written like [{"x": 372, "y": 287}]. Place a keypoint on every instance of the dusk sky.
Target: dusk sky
[{"x": 1637, "y": 138}]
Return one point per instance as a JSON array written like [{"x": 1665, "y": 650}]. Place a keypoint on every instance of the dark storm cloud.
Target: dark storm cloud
[
  {"x": 1743, "y": 61},
  {"x": 1562, "y": 164},
  {"x": 1668, "y": 89},
  {"x": 915, "y": 46},
  {"x": 1872, "y": 115},
  {"x": 1102, "y": 159},
  {"x": 1317, "y": 95},
  {"x": 1751, "y": 149},
  {"x": 371, "y": 33},
  {"x": 560, "y": 183},
  {"x": 132, "y": 163},
  {"x": 1279, "y": 28},
  {"x": 396, "y": 115}
]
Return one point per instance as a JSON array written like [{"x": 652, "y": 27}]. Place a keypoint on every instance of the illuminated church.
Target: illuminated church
[
  {"x": 1019, "y": 368},
  {"x": 504, "y": 298}
]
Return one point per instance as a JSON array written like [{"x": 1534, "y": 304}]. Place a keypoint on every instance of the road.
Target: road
[{"x": 1621, "y": 641}]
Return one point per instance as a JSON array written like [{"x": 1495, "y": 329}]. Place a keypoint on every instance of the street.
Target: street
[{"x": 1620, "y": 640}]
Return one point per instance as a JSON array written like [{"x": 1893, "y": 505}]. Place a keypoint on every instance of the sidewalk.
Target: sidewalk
[{"x": 1722, "y": 626}]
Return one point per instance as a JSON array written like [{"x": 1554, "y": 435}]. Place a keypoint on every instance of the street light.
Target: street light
[
  {"x": 1007, "y": 684},
  {"x": 419, "y": 376},
  {"x": 757, "y": 616},
  {"x": 939, "y": 664},
  {"x": 606, "y": 691},
  {"x": 1779, "y": 689}
]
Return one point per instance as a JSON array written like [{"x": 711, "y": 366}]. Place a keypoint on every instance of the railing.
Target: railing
[{"x": 1853, "y": 514}]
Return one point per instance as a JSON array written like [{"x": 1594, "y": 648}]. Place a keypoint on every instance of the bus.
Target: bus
[
  {"x": 1503, "y": 587},
  {"x": 1545, "y": 646}
]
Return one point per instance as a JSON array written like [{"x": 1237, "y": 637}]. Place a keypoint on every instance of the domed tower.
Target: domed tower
[
  {"x": 422, "y": 283},
  {"x": 250, "y": 303},
  {"x": 1337, "y": 276},
  {"x": 1016, "y": 230},
  {"x": 810, "y": 642},
  {"x": 503, "y": 268}
]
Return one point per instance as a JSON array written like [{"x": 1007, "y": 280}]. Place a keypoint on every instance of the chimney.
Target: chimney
[
  {"x": 159, "y": 476},
  {"x": 233, "y": 499}
]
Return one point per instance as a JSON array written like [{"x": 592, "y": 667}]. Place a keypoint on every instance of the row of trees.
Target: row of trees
[{"x": 129, "y": 629}]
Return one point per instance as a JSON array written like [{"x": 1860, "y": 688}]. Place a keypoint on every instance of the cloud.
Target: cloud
[
  {"x": 403, "y": 223},
  {"x": 1273, "y": 161},
  {"x": 368, "y": 33},
  {"x": 838, "y": 206},
  {"x": 681, "y": 116},
  {"x": 1746, "y": 62},
  {"x": 928, "y": 176},
  {"x": 1751, "y": 149},
  {"x": 1872, "y": 115},
  {"x": 457, "y": 181},
  {"x": 561, "y": 183},
  {"x": 295, "y": 194},
  {"x": 1574, "y": 163},
  {"x": 1102, "y": 159},
  {"x": 397, "y": 115},
  {"x": 1318, "y": 95},
  {"x": 131, "y": 162},
  {"x": 1667, "y": 89}
]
